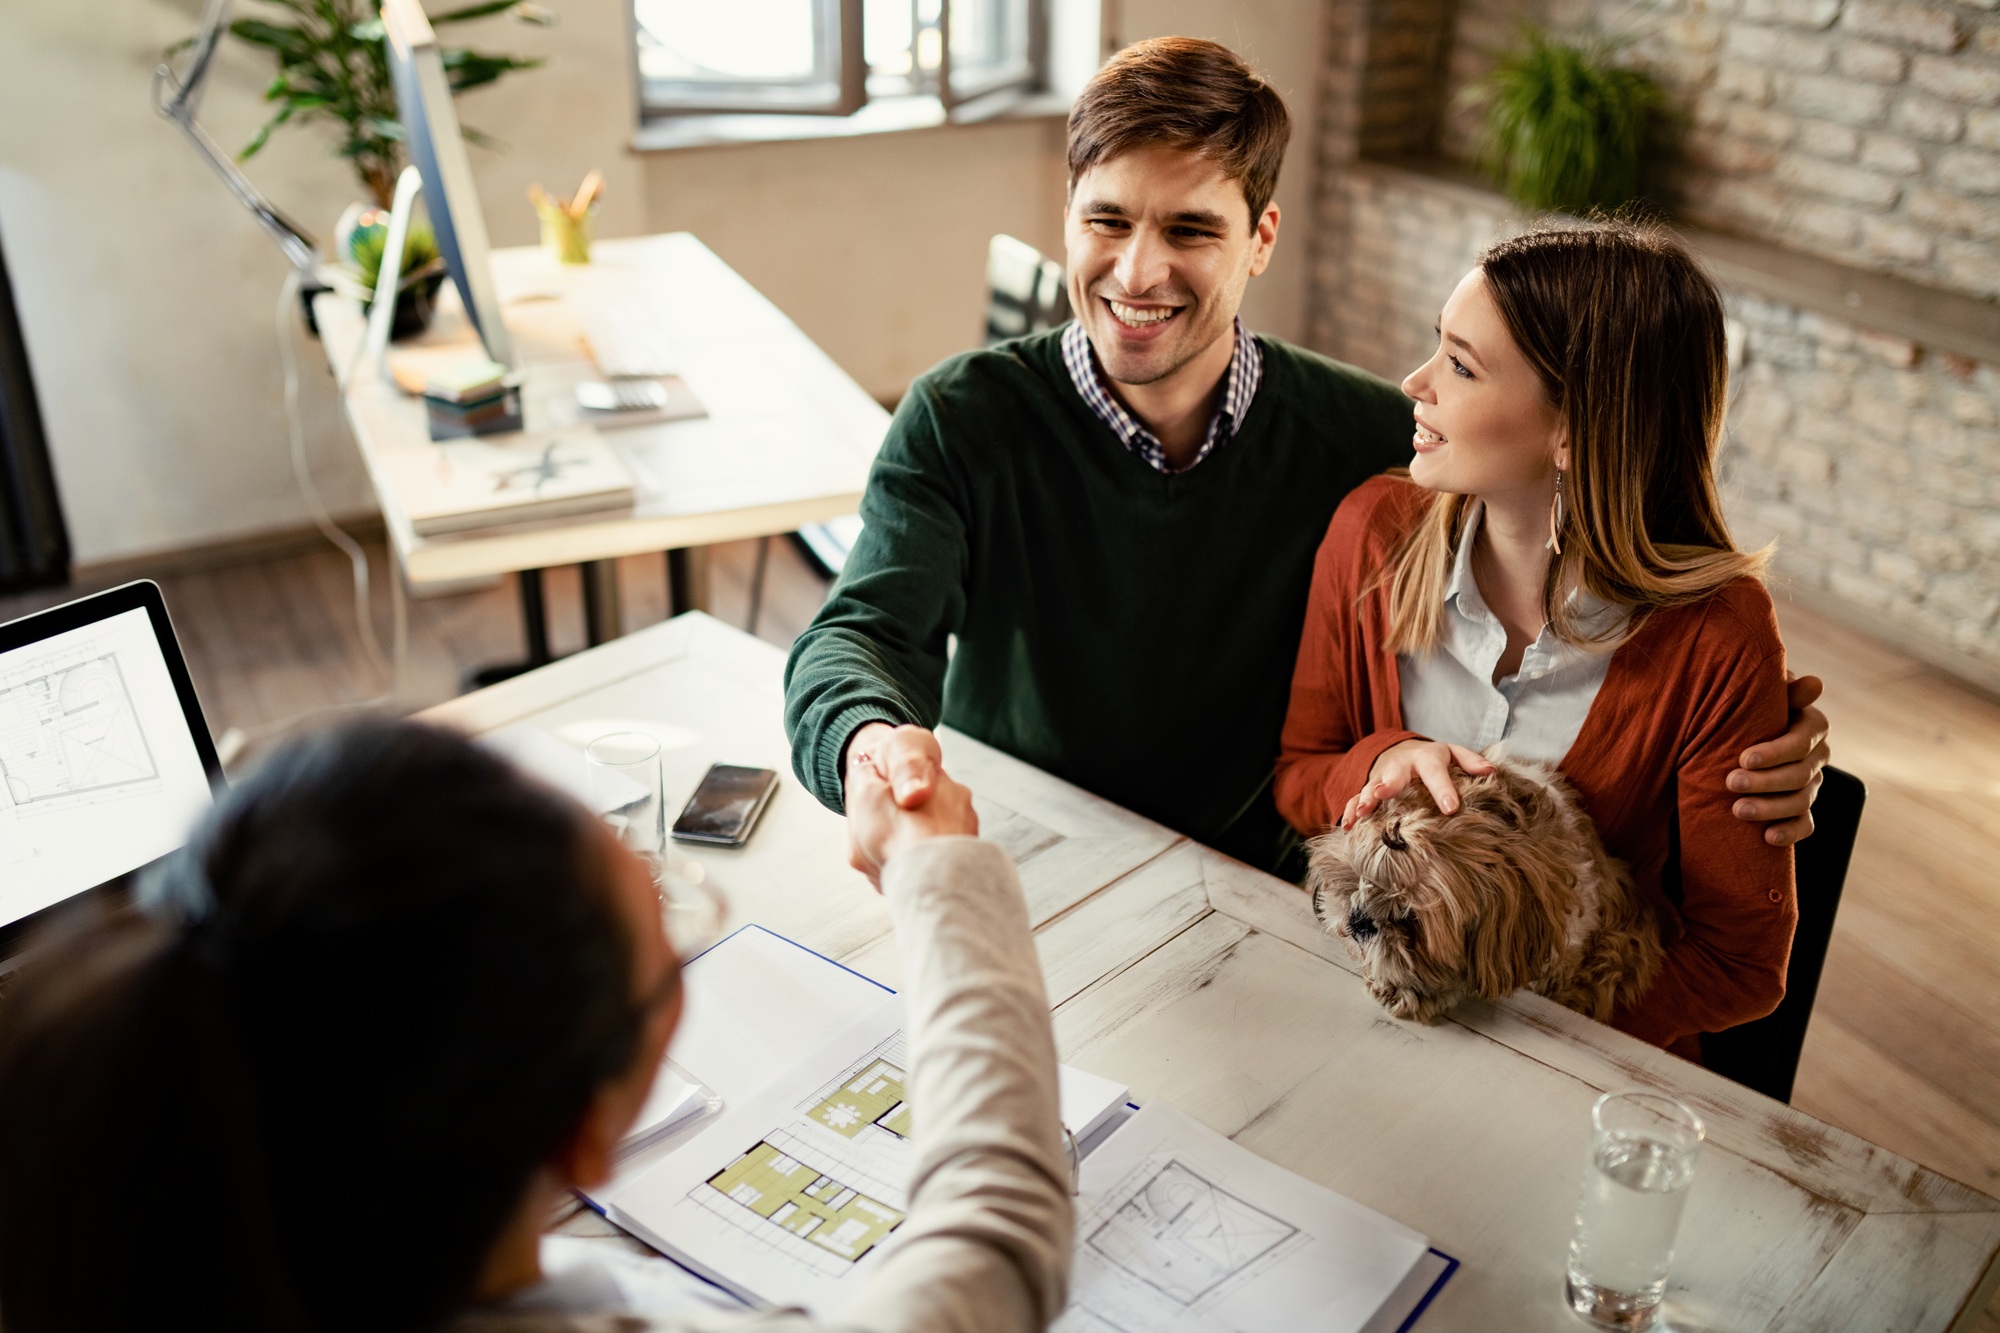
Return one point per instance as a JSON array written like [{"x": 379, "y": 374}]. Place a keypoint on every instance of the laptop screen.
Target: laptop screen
[{"x": 100, "y": 768}]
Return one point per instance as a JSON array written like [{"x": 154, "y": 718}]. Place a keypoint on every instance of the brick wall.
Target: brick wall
[
  {"x": 1874, "y": 462},
  {"x": 1867, "y": 131}
]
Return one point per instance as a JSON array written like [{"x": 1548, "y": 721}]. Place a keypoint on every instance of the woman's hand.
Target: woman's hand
[{"x": 1430, "y": 761}]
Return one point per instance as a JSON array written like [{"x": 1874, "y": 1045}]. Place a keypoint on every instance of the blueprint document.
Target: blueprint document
[
  {"x": 1179, "y": 1229},
  {"x": 98, "y": 770},
  {"x": 791, "y": 1194}
]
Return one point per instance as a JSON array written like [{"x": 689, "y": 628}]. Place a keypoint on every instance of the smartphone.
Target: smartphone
[{"x": 725, "y": 807}]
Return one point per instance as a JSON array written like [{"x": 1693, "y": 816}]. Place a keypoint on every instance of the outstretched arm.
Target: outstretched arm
[
  {"x": 875, "y": 653},
  {"x": 987, "y": 1242}
]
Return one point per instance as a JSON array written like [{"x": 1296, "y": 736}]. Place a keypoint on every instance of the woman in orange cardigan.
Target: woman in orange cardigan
[{"x": 1555, "y": 572}]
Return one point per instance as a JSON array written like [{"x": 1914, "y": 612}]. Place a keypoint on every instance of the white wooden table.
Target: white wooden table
[
  {"x": 788, "y": 438},
  {"x": 1199, "y": 980}
]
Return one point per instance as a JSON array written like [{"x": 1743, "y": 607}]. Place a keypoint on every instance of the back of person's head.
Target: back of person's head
[
  {"x": 1187, "y": 94},
  {"x": 307, "y": 1082}
]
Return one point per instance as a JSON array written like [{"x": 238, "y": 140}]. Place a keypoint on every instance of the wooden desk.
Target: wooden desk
[
  {"x": 1197, "y": 979},
  {"x": 788, "y": 439}
]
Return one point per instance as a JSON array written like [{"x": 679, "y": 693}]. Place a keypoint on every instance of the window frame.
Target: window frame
[
  {"x": 685, "y": 111},
  {"x": 841, "y": 95}
]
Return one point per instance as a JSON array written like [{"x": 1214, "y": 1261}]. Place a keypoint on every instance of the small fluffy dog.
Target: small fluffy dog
[{"x": 1513, "y": 890}]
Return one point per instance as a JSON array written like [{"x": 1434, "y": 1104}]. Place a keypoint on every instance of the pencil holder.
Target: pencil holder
[{"x": 564, "y": 236}]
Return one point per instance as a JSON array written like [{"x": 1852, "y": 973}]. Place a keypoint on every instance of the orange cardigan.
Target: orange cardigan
[{"x": 1691, "y": 689}]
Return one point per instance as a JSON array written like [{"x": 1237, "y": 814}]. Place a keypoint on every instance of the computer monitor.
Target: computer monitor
[
  {"x": 105, "y": 759},
  {"x": 430, "y": 132}
]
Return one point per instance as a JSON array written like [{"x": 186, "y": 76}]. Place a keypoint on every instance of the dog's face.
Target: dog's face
[{"x": 1439, "y": 907}]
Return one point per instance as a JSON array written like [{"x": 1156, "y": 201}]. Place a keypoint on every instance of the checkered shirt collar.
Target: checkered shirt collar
[{"x": 1239, "y": 388}]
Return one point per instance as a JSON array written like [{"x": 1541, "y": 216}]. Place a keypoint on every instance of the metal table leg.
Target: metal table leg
[
  {"x": 534, "y": 634},
  {"x": 603, "y": 618},
  {"x": 687, "y": 580}
]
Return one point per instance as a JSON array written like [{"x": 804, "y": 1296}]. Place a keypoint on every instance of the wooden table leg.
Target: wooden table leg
[
  {"x": 687, "y": 580},
  {"x": 603, "y": 619}
]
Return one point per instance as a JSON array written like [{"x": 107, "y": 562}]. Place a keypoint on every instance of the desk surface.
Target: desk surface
[
  {"x": 788, "y": 439},
  {"x": 1197, "y": 979}
]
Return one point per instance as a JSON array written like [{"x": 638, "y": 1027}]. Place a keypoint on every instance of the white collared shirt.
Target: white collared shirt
[{"x": 1450, "y": 694}]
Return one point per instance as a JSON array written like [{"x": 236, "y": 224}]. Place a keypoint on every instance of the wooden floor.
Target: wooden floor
[{"x": 1904, "y": 1047}]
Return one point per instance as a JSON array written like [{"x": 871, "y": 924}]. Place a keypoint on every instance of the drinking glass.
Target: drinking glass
[
  {"x": 1642, "y": 1157},
  {"x": 625, "y": 784}
]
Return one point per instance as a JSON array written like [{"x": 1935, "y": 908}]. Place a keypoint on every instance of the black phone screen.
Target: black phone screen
[{"x": 726, "y": 804}]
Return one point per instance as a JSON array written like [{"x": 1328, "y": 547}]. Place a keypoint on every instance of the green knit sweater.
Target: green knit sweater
[{"x": 1130, "y": 631}]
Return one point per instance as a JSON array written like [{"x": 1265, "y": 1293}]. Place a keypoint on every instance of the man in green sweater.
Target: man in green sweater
[{"x": 1117, "y": 519}]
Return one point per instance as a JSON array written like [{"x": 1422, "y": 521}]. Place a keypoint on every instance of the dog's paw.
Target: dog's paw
[{"x": 1406, "y": 1002}]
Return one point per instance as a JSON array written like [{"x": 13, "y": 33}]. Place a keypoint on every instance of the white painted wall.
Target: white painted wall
[
  {"x": 1283, "y": 39},
  {"x": 147, "y": 294}
]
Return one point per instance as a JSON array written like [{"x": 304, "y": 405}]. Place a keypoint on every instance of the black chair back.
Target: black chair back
[
  {"x": 1764, "y": 1053},
  {"x": 1024, "y": 294},
  {"x": 1024, "y": 290}
]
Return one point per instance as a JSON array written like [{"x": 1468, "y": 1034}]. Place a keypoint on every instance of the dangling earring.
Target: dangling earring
[{"x": 1556, "y": 516}]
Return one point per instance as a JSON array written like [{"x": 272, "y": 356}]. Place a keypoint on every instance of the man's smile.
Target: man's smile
[{"x": 1139, "y": 316}]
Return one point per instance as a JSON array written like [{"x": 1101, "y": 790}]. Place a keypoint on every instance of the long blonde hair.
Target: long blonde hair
[{"x": 1625, "y": 331}]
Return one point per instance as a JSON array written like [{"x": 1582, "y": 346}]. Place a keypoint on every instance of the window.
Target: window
[{"x": 832, "y": 57}]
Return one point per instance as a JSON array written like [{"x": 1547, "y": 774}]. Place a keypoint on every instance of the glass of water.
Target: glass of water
[
  {"x": 625, "y": 785},
  {"x": 1642, "y": 1158}
]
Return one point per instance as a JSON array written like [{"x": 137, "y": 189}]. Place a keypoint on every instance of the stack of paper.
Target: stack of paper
[{"x": 468, "y": 485}]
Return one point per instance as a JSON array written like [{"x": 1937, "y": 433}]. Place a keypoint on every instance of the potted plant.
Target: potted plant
[
  {"x": 1567, "y": 124},
  {"x": 333, "y": 65}
]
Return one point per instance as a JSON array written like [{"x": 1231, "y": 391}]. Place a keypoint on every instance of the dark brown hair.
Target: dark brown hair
[
  {"x": 1625, "y": 332},
  {"x": 1184, "y": 93},
  {"x": 306, "y": 1082}
]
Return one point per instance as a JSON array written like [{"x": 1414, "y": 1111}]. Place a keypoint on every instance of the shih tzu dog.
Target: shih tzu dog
[{"x": 1513, "y": 890}]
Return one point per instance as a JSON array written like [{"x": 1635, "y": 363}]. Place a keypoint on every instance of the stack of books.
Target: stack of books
[{"x": 471, "y": 398}]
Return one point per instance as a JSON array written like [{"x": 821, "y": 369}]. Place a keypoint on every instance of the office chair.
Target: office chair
[
  {"x": 1763, "y": 1054},
  {"x": 1024, "y": 290},
  {"x": 1024, "y": 294}
]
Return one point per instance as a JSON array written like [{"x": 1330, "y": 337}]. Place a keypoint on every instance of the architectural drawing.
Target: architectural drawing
[
  {"x": 872, "y": 1096},
  {"x": 805, "y": 1201},
  {"x": 868, "y": 1095},
  {"x": 71, "y": 732},
  {"x": 1185, "y": 1237}
]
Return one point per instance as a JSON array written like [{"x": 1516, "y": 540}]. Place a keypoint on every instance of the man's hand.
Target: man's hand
[
  {"x": 878, "y": 827},
  {"x": 1428, "y": 761},
  {"x": 1788, "y": 769},
  {"x": 907, "y": 758}
]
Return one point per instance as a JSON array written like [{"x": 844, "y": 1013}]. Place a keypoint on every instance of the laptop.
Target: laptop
[{"x": 105, "y": 760}]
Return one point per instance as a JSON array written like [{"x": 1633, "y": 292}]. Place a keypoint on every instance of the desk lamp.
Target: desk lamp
[{"x": 178, "y": 98}]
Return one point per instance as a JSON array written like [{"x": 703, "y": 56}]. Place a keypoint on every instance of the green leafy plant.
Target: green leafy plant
[
  {"x": 333, "y": 65},
  {"x": 420, "y": 253},
  {"x": 1567, "y": 126}
]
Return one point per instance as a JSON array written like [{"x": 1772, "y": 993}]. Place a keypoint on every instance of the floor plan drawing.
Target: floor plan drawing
[
  {"x": 1185, "y": 1237},
  {"x": 70, "y": 732},
  {"x": 790, "y": 1187},
  {"x": 869, "y": 1094}
]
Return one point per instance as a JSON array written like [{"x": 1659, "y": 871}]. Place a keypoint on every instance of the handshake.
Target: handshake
[{"x": 898, "y": 794}]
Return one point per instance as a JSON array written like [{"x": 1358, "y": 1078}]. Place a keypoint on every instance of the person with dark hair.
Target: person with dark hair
[
  {"x": 393, "y": 999},
  {"x": 1091, "y": 547},
  {"x": 1555, "y": 573}
]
